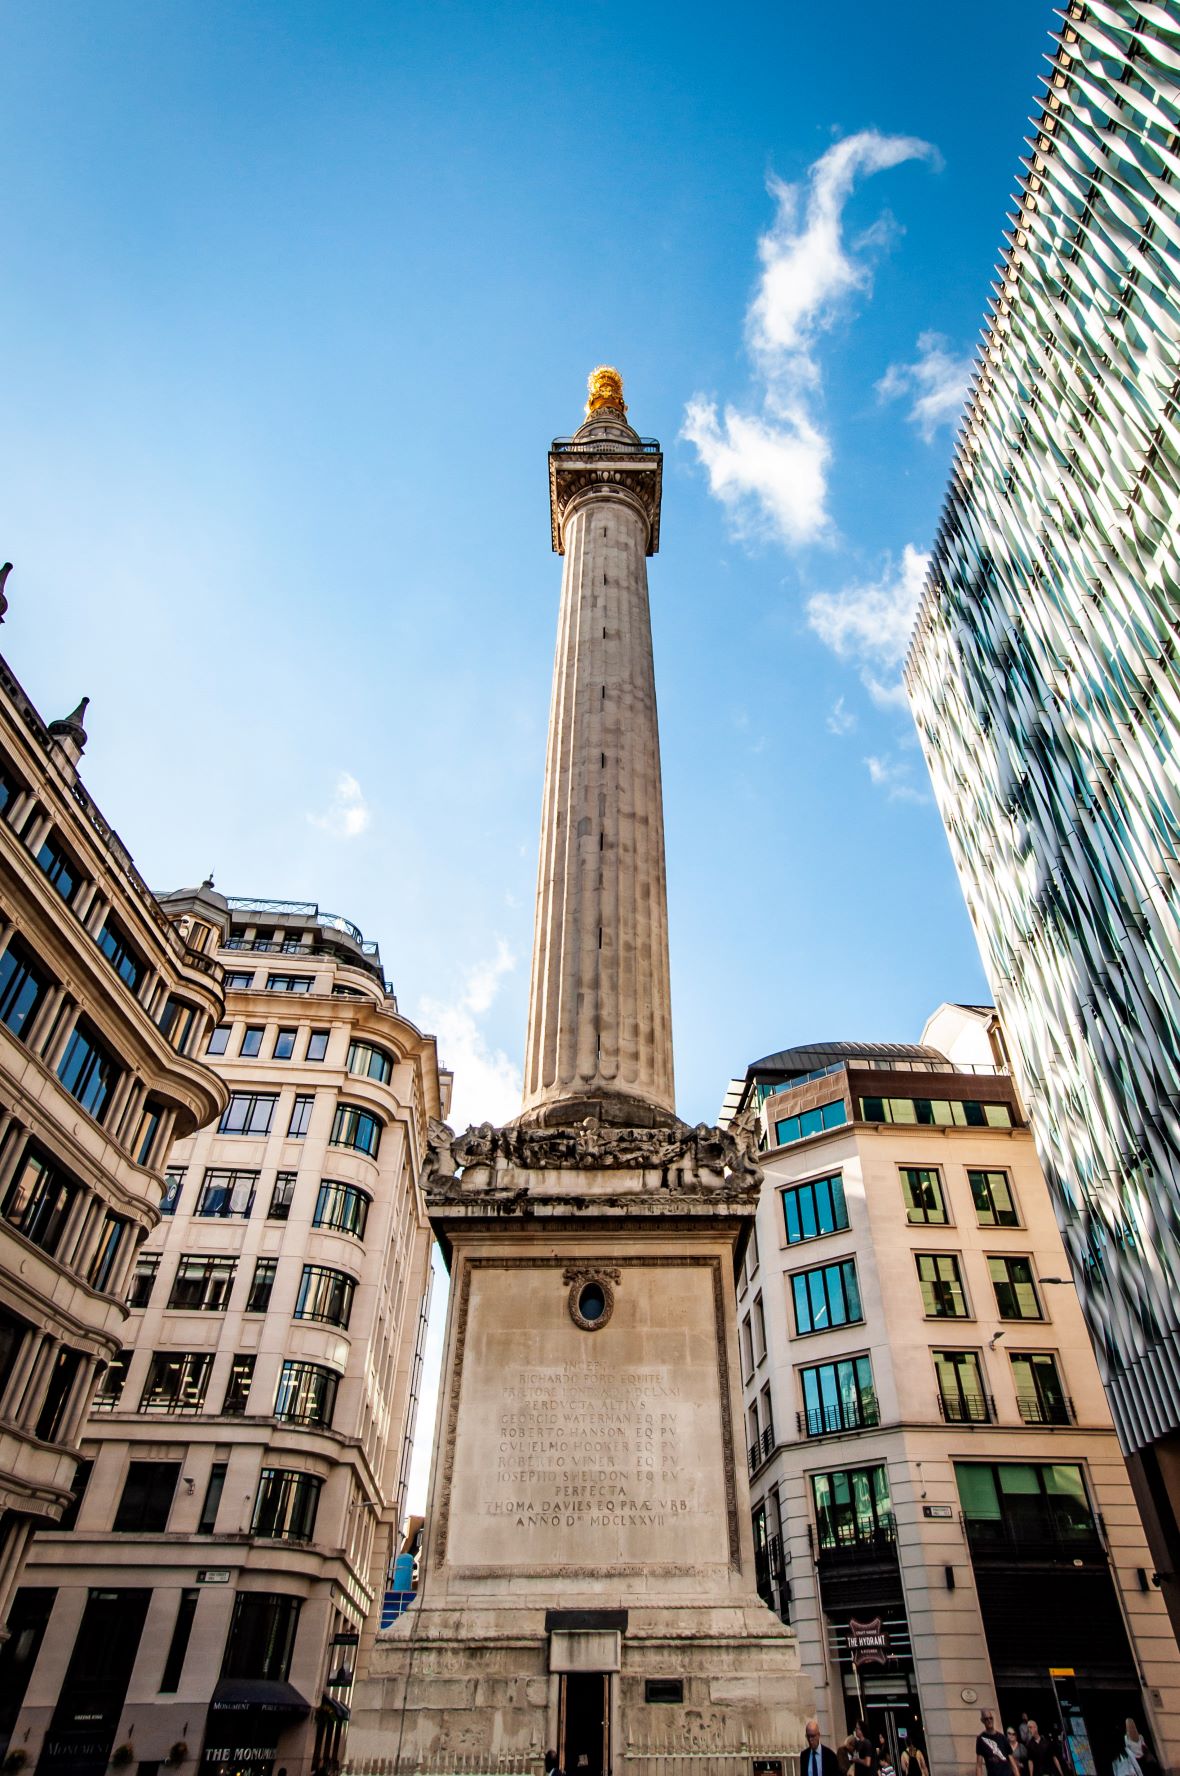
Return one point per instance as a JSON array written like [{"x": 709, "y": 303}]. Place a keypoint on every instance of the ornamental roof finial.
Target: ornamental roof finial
[{"x": 606, "y": 390}]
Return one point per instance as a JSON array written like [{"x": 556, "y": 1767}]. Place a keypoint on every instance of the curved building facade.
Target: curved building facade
[
  {"x": 1044, "y": 684},
  {"x": 248, "y": 1451}
]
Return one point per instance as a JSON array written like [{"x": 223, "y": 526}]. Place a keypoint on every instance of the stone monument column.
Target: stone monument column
[
  {"x": 600, "y": 1019},
  {"x": 588, "y": 1578}
]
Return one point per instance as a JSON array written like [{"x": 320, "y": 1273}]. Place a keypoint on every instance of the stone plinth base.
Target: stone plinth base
[{"x": 481, "y": 1688}]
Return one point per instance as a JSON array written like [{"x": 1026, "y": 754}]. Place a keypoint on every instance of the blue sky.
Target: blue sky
[{"x": 294, "y": 297}]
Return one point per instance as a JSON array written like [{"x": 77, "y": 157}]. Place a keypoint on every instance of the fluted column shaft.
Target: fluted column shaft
[{"x": 600, "y": 1007}]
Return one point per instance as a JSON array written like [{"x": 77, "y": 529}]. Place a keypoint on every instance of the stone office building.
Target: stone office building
[
  {"x": 248, "y": 1451},
  {"x": 104, "y": 1010},
  {"x": 940, "y": 1505}
]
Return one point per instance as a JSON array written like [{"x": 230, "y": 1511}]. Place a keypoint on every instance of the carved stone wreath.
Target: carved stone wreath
[{"x": 603, "y": 1279}]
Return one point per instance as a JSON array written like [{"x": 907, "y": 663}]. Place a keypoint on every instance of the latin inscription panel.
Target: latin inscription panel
[{"x": 589, "y": 1449}]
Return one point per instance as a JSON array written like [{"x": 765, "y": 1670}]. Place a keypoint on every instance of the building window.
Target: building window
[
  {"x": 306, "y": 1393},
  {"x": 746, "y": 1340},
  {"x": 852, "y": 1510},
  {"x": 111, "y": 1381},
  {"x": 207, "y": 1521},
  {"x": 145, "y": 1135},
  {"x": 251, "y": 1041},
  {"x": 759, "y": 1322},
  {"x": 24, "y": 985},
  {"x": 143, "y": 1279},
  {"x": 248, "y": 1113},
  {"x": 89, "y": 1071},
  {"x": 176, "y": 1381},
  {"x": 173, "y": 1184},
  {"x": 300, "y": 1117},
  {"x": 227, "y": 1193},
  {"x": 1040, "y": 1396},
  {"x": 992, "y": 1196},
  {"x": 325, "y": 1295},
  {"x": 370, "y": 1062},
  {"x": 261, "y": 1636},
  {"x": 289, "y": 983},
  {"x": 12, "y": 1334},
  {"x": 942, "y": 1286},
  {"x": 1028, "y": 1504},
  {"x": 238, "y": 980},
  {"x": 811, "y": 1122},
  {"x": 38, "y": 1201},
  {"x": 827, "y": 1296},
  {"x": 59, "y": 867},
  {"x": 1016, "y": 1295},
  {"x": 961, "y": 1392},
  {"x": 317, "y": 1045},
  {"x": 117, "y": 947},
  {"x": 237, "y": 1391},
  {"x": 198, "y": 936},
  {"x": 147, "y": 1497},
  {"x": 839, "y": 1397},
  {"x": 110, "y": 1244},
  {"x": 218, "y": 1040},
  {"x": 356, "y": 1128},
  {"x": 286, "y": 1505},
  {"x": 55, "y": 1406},
  {"x": 285, "y": 1044},
  {"x": 922, "y": 1189},
  {"x": 935, "y": 1113},
  {"x": 281, "y": 1195},
  {"x": 178, "y": 1646},
  {"x": 176, "y": 1023},
  {"x": 342, "y": 1208},
  {"x": 78, "y": 1485},
  {"x": 203, "y": 1285},
  {"x": 815, "y": 1208},
  {"x": 258, "y": 1300},
  {"x": 10, "y": 786}
]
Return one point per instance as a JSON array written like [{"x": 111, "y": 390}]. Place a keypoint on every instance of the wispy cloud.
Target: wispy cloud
[
  {"x": 894, "y": 778},
  {"x": 770, "y": 469},
  {"x": 937, "y": 380},
  {"x": 347, "y": 815},
  {"x": 871, "y": 624},
  {"x": 487, "y": 1082},
  {"x": 840, "y": 720}
]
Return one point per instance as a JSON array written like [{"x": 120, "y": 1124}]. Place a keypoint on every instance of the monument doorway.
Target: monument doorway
[{"x": 584, "y": 1723}]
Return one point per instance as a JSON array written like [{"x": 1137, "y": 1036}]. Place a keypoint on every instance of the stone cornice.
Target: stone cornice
[{"x": 634, "y": 478}]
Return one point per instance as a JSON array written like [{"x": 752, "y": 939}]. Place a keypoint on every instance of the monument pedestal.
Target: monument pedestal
[{"x": 589, "y": 1567}]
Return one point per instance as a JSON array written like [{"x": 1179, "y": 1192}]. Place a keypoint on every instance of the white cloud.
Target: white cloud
[
  {"x": 893, "y": 776},
  {"x": 871, "y": 624},
  {"x": 770, "y": 469},
  {"x": 487, "y": 1081},
  {"x": 937, "y": 380},
  {"x": 347, "y": 814},
  {"x": 840, "y": 720}
]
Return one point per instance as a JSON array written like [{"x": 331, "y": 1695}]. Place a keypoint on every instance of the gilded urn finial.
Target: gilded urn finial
[{"x": 606, "y": 390}]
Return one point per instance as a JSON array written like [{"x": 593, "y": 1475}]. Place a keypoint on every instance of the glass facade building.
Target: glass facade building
[{"x": 1043, "y": 677}]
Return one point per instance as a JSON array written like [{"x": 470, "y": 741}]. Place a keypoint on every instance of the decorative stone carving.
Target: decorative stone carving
[
  {"x": 603, "y": 1278},
  {"x": 709, "y": 1160}
]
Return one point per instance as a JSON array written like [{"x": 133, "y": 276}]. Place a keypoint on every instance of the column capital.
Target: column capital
[{"x": 605, "y": 459}]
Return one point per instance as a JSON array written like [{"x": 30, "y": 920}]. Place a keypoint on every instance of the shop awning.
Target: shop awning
[
  {"x": 258, "y": 1694},
  {"x": 333, "y": 1709}
]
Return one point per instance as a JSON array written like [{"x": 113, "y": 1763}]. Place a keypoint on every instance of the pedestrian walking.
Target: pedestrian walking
[
  {"x": 816, "y": 1758},
  {"x": 992, "y": 1756},
  {"x": 1017, "y": 1748},
  {"x": 1043, "y": 1758}
]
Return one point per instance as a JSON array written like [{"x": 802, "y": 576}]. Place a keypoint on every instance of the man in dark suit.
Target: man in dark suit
[{"x": 816, "y": 1758}]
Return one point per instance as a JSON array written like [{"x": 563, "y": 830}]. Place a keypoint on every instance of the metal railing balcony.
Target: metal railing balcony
[
  {"x": 1036, "y": 1411},
  {"x": 967, "y": 1409},
  {"x": 610, "y": 447},
  {"x": 827, "y": 1421}
]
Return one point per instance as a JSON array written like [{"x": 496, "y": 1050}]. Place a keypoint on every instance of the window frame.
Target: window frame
[
  {"x": 957, "y": 1359},
  {"x": 919, "y": 1214},
  {"x": 1007, "y": 1259},
  {"x": 938, "y": 1282},
  {"x": 342, "y": 1190},
  {"x": 236, "y": 1177},
  {"x": 797, "y": 1194},
  {"x": 803, "y": 1291},
  {"x": 339, "y": 1287},
  {"x": 359, "y": 1113},
  {"x": 255, "y": 1102},
  {"x": 988, "y": 1172},
  {"x": 206, "y": 1281}
]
